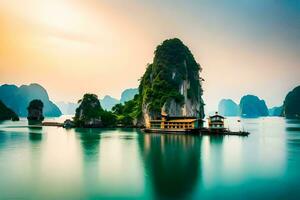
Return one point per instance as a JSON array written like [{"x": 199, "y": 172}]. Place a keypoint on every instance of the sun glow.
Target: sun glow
[{"x": 59, "y": 15}]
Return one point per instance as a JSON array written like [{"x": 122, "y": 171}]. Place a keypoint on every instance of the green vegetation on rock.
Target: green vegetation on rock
[
  {"x": 6, "y": 113},
  {"x": 128, "y": 112},
  {"x": 91, "y": 114}
]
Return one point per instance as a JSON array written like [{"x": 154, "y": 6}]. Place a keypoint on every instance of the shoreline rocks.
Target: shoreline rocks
[{"x": 6, "y": 113}]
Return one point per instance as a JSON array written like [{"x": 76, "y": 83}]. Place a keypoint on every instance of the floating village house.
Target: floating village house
[
  {"x": 216, "y": 122},
  {"x": 176, "y": 124}
]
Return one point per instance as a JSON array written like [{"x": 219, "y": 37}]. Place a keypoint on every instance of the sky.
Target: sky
[{"x": 103, "y": 46}]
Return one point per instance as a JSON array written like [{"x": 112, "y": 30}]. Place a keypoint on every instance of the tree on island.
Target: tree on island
[
  {"x": 128, "y": 112},
  {"x": 35, "y": 110}
]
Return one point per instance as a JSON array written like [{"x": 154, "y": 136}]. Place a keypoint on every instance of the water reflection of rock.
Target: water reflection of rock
[
  {"x": 35, "y": 137},
  {"x": 293, "y": 125},
  {"x": 173, "y": 163},
  {"x": 90, "y": 139},
  {"x": 292, "y": 139}
]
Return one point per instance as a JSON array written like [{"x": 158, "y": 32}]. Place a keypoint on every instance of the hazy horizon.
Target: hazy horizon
[{"x": 103, "y": 47}]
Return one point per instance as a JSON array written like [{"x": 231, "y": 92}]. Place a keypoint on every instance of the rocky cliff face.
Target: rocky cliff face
[
  {"x": 171, "y": 84},
  {"x": 291, "y": 105}
]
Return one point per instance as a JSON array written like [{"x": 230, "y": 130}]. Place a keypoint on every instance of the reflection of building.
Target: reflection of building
[
  {"x": 167, "y": 123},
  {"x": 172, "y": 163},
  {"x": 216, "y": 122}
]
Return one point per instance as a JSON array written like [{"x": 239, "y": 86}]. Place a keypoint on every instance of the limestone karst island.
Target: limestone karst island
[{"x": 149, "y": 100}]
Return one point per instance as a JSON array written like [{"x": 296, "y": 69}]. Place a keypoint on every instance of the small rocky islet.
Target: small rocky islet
[
  {"x": 88, "y": 114},
  {"x": 35, "y": 112}
]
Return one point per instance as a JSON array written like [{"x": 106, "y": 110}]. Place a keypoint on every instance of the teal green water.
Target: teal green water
[{"x": 54, "y": 163}]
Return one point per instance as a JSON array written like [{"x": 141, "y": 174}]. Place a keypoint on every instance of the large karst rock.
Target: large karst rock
[
  {"x": 252, "y": 106},
  {"x": 88, "y": 114},
  {"x": 171, "y": 84},
  {"x": 291, "y": 105}
]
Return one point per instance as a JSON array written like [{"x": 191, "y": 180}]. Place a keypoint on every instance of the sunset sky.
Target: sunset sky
[{"x": 103, "y": 47}]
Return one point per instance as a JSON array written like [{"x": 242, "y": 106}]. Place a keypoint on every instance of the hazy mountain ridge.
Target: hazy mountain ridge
[
  {"x": 18, "y": 98},
  {"x": 128, "y": 94},
  {"x": 276, "y": 111},
  {"x": 227, "y": 107},
  {"x": 108, "y": 102},
  {"x": 67, "y": 108}
]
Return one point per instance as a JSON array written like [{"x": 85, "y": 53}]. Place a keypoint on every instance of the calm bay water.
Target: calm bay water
[{"x": 54, "y": 163}]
